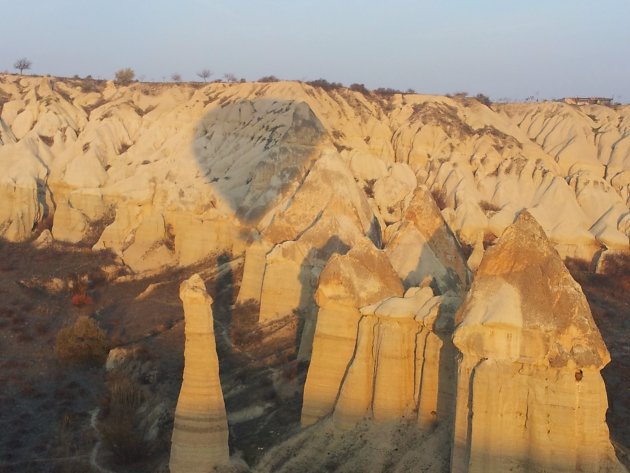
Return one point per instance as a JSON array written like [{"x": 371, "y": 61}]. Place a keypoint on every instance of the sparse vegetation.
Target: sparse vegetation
[
  {"x": 324, "y": 84},
  {"x": 488, "y": 206},
  {"x": 81, "y": 298},
  {"x": 229, "y": 77},
  {"x": 204, "y": 74},
  {"x": 440, "y": 198},
  {"x": 369, "y": 187},
  {"x": 82, "y": 342},
  {"x": 121, "y": 426},
  {"x": 483, "y": 99},
  {"x": 245, "y": 323},
  {"x": 175, "y": 77},
  {"x": 125, "y": 76},
  {"x": 268, "y": 79},
  {"x": 22, "y": 64},
  {"x": 387, "y": 91},
  {"x": 359, "y": 88}
]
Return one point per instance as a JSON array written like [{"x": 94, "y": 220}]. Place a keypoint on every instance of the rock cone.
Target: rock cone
[{"x": 530, "y": 396}]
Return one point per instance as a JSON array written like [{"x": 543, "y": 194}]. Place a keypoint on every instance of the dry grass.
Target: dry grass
[
  {"x": 82, "y": 342},
  {"x": 120, "y": 423}
]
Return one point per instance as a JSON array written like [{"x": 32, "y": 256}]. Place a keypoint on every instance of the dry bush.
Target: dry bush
[
  {"x": 324, "y": 84},
  {"x": 125, "y": 76},
  {"x": 92, "y": 85},
  {"x": 120, "y": 427},
  {"x": 387, "y": 91},
  {"x": 359, "y": 88},
  {"x": 81, "y": 298},
  {"x": 369, "y": 187},
  {"x": 483, "y": 99},
  {"x": 488, "y": 206},
  {"x": 268, "y": 79},
  {"x": 82, "y": 342},
  {"x": 440, "y": 198},
  {"x": 245, "y": 323}
]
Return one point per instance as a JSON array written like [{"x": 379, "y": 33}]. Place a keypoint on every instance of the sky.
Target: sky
[{"x": 506, "y": 49}]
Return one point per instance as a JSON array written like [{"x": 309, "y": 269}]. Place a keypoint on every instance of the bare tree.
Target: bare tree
[
  {"x": 175, "y": 77},
  {"x": 22, "y": 64},
  {"x": 204, "y": 74},
  {"x": 125, "y": 76},
  {"x": 229, "y": 77}
]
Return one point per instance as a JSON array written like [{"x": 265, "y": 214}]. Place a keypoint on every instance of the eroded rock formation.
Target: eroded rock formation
[
  {"x": 530, "y": 396},
  {"x": 213, "y": 168},
  {"x": 361, "y": 277},
  {"x": 403, "y": 364},
  {"x": 200, "y": 432}
]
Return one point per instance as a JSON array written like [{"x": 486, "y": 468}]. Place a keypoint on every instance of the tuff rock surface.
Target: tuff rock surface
[
  {"x": 530, "y": 396},
  {"x": 200, "y": 432}
]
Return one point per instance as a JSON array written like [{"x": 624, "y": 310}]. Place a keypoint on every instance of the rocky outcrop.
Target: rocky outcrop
[
  {"x": 377, "y": 354},
  {"x": 200, "y": 432},
  {"x": 226, "y": 164},
  {"x": 361, "y": 277},
  {"x": 530, "y": 396},
  {"x": 422, "y": 245},
  {"x": 403, "y": 364}
]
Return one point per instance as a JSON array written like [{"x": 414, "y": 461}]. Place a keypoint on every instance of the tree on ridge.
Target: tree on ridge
[
  {"x": 204, "y": 74},
  {"x": 22, "y": 64}
]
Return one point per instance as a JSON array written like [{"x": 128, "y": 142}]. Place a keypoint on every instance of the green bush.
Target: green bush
[{"x": 82, "y": 342}]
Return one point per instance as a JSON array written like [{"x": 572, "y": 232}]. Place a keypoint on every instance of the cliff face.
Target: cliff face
[{"x": 530, "y": 396}]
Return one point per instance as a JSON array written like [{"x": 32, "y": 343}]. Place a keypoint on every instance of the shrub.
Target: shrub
[
  {"x": 324, "y": 84},
  {"x": 488, "y": 206},
  {"x": 175, "y": 77},
  {"x": 440, "y": 198},
  {"x": 125, "y": 76},
  {"x": 369, "y": 187},
  {"x": 268, "y": 79},
  {"x": 245, "y": 323},
  {"x": 82, "y": 342},
  {"x": 359, "y": 88},
  {"x": 483, "y": 99},
  {"x": 386, "y": 91},
  {"x": 121, "y": 426},
  {"x": 81, "y": 298}
]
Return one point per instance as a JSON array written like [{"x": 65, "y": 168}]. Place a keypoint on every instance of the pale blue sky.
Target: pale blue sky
[{"x": 504, "y": 48}]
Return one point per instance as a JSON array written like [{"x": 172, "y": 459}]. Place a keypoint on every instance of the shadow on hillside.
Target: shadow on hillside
[{"x": 252, "y": 151}]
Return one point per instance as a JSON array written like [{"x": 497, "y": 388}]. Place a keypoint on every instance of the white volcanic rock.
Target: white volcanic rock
[
  {"x": 200, "y": 433},
  {"x": 218, "y": 159},
  {"x": 20, "y": 209},
  {"x": 150, "y": 247},
  {"x": 403, "y": 364},
  {"x": 328, "y": 214},
  {"x": 69, "y": 224},
  {"x": 253, "y": 272},
  {"x": 361, "y": 277},
  {"x": 530, "y": 396},
  {"x": 390, "y": 191},
  {"x": 44, "y": 240},
  {"x": 423, "y": 245}
]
